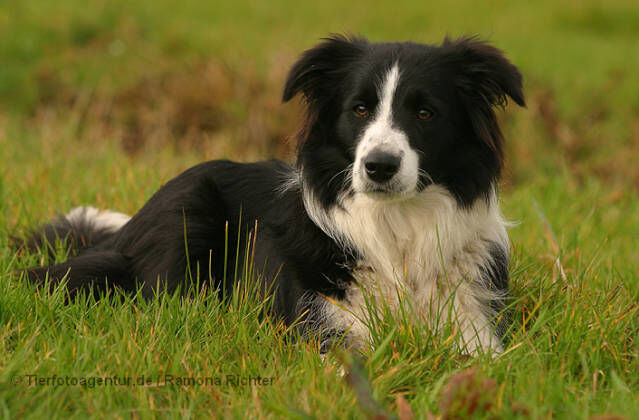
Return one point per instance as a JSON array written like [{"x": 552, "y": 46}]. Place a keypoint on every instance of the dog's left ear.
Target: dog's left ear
[
  {"x": 321, "y": 68},
  {"x": 484, "y": 79},
  {"x": 483, "y": 73}
]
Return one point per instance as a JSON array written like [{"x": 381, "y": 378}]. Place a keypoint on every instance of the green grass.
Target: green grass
[{"x": 92, "y": 101}]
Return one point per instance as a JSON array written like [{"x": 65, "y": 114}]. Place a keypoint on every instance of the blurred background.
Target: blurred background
[{"x": 103, "y": 101}]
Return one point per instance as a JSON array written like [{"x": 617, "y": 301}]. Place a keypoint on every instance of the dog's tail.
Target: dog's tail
[
  {"x": 86, "y": 234},
  {"x": 81, "y": 228}
]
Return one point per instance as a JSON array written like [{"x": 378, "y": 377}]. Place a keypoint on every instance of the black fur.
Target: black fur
[{"x": 194, "y": 208}]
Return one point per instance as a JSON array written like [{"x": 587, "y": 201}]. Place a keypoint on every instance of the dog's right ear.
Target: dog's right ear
[{"x": 319, "y": 69}]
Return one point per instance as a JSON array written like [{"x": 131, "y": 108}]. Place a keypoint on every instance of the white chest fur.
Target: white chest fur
[{"x": 425, "y": 248}]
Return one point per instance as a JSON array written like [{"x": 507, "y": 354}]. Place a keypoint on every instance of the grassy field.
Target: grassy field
[{"x": 102, "y": 103}]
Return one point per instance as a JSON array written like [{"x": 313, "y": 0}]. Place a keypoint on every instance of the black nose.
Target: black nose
[{"x": 381, "y": 166}]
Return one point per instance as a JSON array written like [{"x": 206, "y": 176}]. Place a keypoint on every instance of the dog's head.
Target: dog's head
[{"x": 389, "y": 119}]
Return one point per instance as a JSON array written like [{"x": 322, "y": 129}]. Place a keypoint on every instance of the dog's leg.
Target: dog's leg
[
  {"x": 477, "y": 331},
  {"x": 94, "y": 271}
]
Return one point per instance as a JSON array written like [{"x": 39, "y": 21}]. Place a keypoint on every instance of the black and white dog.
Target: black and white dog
[{"x": 394, "y": 188}]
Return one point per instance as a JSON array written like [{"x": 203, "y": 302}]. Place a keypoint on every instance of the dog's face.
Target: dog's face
[{"x": 388, "y": 120}]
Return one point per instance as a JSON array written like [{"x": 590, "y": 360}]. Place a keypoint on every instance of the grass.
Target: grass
[{"x": 101, "y": 105}]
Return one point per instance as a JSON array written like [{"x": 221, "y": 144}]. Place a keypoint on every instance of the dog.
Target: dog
[{"x": 393, "y": 195}]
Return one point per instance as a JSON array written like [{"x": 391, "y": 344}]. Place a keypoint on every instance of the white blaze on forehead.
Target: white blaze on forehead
[
  {"x": 386, "y": 94},
  {"x": 382, "y": 134}
]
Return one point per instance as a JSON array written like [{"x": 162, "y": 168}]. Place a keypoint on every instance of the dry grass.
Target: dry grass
[{"x": 206, "y": 106}]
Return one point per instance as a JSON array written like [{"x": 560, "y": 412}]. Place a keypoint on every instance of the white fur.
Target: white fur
[
  {"x": 105, "y": 219},
  {"x": 381, "y": 134},
  {"x": 426, "y": 246}
]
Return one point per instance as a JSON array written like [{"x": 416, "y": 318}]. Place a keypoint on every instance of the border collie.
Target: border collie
[{"x": 394, "y": 192}]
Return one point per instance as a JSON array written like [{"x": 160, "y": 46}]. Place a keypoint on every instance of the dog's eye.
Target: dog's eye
[
  {"x": 361, "y": 110},
  {"x": 424, "y": 114}
]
